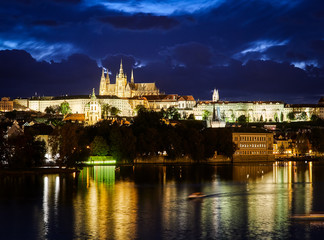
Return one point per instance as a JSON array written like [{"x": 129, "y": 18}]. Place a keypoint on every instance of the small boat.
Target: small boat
[
  {"x": 196, "y": 195},
  {"x": 309, "y": 217}
]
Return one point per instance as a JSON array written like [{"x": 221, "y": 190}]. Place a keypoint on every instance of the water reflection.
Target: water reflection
[{"x": 150, "y": 202}]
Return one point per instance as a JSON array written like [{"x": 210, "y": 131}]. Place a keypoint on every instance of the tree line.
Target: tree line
[{"x": 149, "y": 135}]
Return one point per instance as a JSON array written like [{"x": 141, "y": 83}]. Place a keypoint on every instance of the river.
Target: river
[{"x": 247, "y": 201}]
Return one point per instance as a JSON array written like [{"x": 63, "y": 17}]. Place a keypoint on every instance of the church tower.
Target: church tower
[
  {"x": 93, "y": 110},
  {"x": 103, "y": 85},
  {"x": 121, "y": 82},
  {"x": 215, "y": 95},
  {"x": 132, "y": 77}
]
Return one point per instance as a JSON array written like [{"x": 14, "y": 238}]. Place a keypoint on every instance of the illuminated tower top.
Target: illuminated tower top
[{"x": 215, "y": 95}]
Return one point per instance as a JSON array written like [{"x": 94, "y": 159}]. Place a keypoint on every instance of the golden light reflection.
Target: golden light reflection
[
  {"x": 105, "y": 207},
  {"x": 309, "y": 188},
  {"x": 45, "y": 205},
  {"x": 291, "y": 173}
]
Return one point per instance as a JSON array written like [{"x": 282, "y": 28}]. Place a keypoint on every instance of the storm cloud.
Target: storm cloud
[{"x": 248, "y": 49}]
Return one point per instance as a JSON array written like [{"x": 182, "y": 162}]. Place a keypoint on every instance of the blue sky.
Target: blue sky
[{"x": 248, "y": 49}]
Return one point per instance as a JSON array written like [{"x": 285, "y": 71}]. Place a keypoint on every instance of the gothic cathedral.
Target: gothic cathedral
[{"x": 124, "y": 89}]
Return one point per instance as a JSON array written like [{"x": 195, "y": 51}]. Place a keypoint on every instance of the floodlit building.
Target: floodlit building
[
  {"x": 6, "y": 105},
  {"x": 123, "y": 88},
  {"x": 126, "y": 95},
  {"x": 283, "y": 146},
  {"x": 258, "y": 111},
  {"x": 254, "y": 146}
]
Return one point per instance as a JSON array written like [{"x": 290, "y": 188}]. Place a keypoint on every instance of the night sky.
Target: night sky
[{"x": 248, "y": 49}]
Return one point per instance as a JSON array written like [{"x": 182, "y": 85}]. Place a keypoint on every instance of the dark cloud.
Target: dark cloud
[
  {"x": 248, "y": 48},
  {"x": 48, "y": 23},
  {"x": 189, "y": 54},
  {"x": 67, "y": 1},
  {"x": 318, "y": 45},
  {"x": 112, "y": 63},
  {"x": 21, "y": 75},
  {"x": 141, "y": 21}
]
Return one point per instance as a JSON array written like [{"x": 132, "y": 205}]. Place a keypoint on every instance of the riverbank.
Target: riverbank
[
  {"x": 301, "y": 159},
  {"x": 184, "y": 160},
  {"x": 42, "y": 170}
]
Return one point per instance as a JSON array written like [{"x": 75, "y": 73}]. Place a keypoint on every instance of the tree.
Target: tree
[
  {"x": 65, "y": 108},
  {"x": 99, "y": 147},
  {"x": 105, "y": 109},
  {"x": 114, "y": 111},
  {"x": 233, "y": 117},
  {"x": 291, "y": 116},
  {"x": 172, "y": 113},
  {"x": 303, "y": 116},
  {"x": 281, "y": 117},
  {"x": 139, "y": 107},
  {"x": 219, "y": 140},
  {"x": 302, "y": 143},
  {"x": 276, "y": 118},
  {"x": 26, "y": 152},
  {"x": 317, "y": 139},
  {"x": 191, "y": 117},
  {"x": 123, "y": 144},
  {"x": 241, "y": 119},
  {"x": 68, "y": 143},
  {"x": 52, "y": 109},
  {"x": 206, "y": 115},
  {"x": 314, "y": 118},
  {"x": 281, "y": 149}
]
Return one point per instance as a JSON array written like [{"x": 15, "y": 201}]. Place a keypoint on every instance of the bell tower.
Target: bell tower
[
  {"x": 103, "y": 85},
  {"x": 121, "y": 82}
]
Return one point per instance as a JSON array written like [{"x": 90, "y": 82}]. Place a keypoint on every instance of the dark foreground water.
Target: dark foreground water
[{"x": 150, "y": 202}]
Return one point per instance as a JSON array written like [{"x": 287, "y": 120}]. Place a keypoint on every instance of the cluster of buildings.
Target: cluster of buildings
[{"x": 125, "y": 95}]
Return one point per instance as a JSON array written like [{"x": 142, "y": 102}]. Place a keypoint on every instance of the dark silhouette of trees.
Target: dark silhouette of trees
[
  {"x": 99, "y": 147},
  {"x": 53, "y": 109},
  {"x": 172, "y": 113},
  {"x": 68, "y": 144},
  {"x": 242, "y": 119},
  {"x": 114, "y": 111},
  {"x": 123, "y": 144},
  {"x": 25, "y": 152},
  {"x": 317, "y": 139},
  {"x": 291, "y": 116}
]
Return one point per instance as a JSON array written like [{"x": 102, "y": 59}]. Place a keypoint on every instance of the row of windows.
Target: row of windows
[
  {"x": 251, "y": 152},
  {"x": 252, "y": 138},
  {"x": 253, "y": 145}
]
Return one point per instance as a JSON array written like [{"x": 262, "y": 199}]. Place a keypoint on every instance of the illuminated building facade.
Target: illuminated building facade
[
  {"x": 124, "y": 89},
  {"x": 126, "y": 96},
  {"x": 93, "y": 110},
  {"x": 258, "y": 111},
  {"x": 253, "y": 146},
  {"x": 284, "y": 146},
  {"x": 6, "y": 105}
]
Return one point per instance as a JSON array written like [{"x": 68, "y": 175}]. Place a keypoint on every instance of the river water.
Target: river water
[{"x": 252, "y": 201}]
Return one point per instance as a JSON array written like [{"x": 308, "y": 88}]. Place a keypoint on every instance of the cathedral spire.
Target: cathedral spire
[
  {"x": 132, "y": 77},
  {"x": 121, "y": 71},
  {"x": 107, "y": 78},
  {"x": 102, "y": 86},
  {"x": 103, "y": 73}
]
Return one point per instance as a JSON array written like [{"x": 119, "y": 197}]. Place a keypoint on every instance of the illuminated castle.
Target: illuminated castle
[{"x": 123, "y": 88}]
